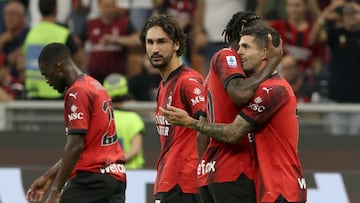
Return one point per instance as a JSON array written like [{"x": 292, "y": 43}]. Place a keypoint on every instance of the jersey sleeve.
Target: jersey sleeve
[
  {"x": 193, "y": 95},
  {"x": 266, "y": 101},
  {"x": 227, "y": 65},
  {"x": 77, "y": 111}
]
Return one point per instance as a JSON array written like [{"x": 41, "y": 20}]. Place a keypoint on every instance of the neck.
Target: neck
[
  {"x": 51, "y": 19},
  {"x": 173, "y": 65},
  {"x": 299, "y": 23},
  {"x": 107, "y": 20},
  {"x": 74, "y": 73}
]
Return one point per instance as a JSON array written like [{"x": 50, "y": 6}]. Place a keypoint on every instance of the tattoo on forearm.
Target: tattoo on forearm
[{"x": 228, "y": 133}]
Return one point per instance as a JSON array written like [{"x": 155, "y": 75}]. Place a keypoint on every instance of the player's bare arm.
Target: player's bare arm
[
  {"x": 72, "y": 151},
  {"x": 229, "y": 133},
  {"x": 41, "y": 185},
  {"x": 241, "y": 90},
  {"x": 202, "y": 141}
]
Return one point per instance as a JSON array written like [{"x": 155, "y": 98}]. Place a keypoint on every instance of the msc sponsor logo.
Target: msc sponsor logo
[
  {"x": 256, "y": 105},
  {"x": 204, "y": 168},
  {"x": 197, "y": 99},
  {"x": 76, "y": 116}
]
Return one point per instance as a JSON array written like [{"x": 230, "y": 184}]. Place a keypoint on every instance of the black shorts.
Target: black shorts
[
  {"x": 281, "y": 199},
  {"x": 88, "y": 187},
  {"x": 175, "y": 195},
  {"x": 241, "y": 191}
]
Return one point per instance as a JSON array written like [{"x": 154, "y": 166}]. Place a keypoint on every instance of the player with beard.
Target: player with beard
[
  {"x": 228, "y": 90},
  {"x": 181, "y": 86},
  {"x": 93, "y": 161},
  {"x": 269, "y": 120}
]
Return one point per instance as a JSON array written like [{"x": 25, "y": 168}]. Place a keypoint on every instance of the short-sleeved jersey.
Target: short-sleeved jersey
[
  {"x": 89, "y": 112},
  {"x": 178, "y": 158},
  {"x": 223, "y": 162},
  {"x": 277, "y": 169},
  {"x": 128, "y": 125}
]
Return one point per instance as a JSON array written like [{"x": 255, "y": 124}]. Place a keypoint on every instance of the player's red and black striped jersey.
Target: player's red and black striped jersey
[
  {"x": 88, "y": 111},
  {"x": 178, "y": 158},
  {"x": 223, "y": 162},
  {"x": 277, "y": 169}
]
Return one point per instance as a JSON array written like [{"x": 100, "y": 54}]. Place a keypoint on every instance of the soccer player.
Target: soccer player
[
  {"x": 229, "y": 87},
  {"x": 269, "y": 120},
  {"x": 181, "y": 86},
  {"x": 93, "y": 161}
]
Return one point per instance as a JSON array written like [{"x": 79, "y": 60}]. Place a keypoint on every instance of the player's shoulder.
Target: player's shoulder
[
  {"x": 189, "y": 74},
  {"x": 226, "y": 52},
  {"x": 275, "y": 85}
]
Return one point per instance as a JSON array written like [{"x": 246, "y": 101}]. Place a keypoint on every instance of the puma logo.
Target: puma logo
[
  {"x": 267, "y": 90},
  {"x": 73, "y": 95}
]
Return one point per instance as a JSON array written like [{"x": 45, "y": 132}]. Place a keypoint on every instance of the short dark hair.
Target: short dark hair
[
  {"x": 54, "y": 52},
  {"x": 169, "y": 26},
  {"x": 47, "y": 7},
  {"x": 239, "y": 21},
  {"x": 261, "y": 35}
]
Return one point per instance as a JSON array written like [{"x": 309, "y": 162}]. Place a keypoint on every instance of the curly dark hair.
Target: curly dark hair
[
  {"x": 169, "y": 26},
  {"x": 239, "y": 21}
]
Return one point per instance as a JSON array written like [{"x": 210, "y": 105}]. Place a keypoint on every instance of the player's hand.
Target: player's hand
[
  {"x": 274, "y": 54},
  {"x": 38, "y": 189},
  {"x": 177, "y": 116}
]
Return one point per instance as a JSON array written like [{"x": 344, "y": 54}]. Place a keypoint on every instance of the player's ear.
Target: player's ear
[
  {"x": 264, "y": 53},
  {"x": 59, "y": 66}
]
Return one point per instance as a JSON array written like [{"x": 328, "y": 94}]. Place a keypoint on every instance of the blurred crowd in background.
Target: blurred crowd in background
[{"x": 321, "y": 42}]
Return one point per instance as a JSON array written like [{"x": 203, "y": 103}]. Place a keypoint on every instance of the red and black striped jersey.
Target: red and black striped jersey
[
  {"x": 178, "y": 158},
  {"x": 223, "y": 162},
  {"x": 277, "y": 169},
  {"x": 88, "y": 111}
]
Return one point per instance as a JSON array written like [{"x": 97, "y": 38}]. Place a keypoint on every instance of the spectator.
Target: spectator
[
  {"x": 13, "y": 38},
  {"x": 295, "y": 31},
  {"x": 186, "y": 13},
  {"x": 181, "y": 86},
  {"x": 140, "y": 11},
  {"x": 109, "y": 38},
  {"x": 7, "y": 92},
  {"x": 130, "y": 128},
  {"x": 215, "y": 16},
  {"x": 269, "y": 121},
  {"x": 38, "y": 36},
  {"x": 62, "y": 14},
  {"x": 93, "y": 161},
  {"x": 339, "y": 28},
  {"x": 302, "y": 85}
]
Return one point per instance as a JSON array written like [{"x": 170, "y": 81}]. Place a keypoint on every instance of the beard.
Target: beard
[{"x": 160, "y": 61}]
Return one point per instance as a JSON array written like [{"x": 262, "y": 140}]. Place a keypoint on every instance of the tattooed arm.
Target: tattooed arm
[
  {"x": 202, "y": 141},
  {"x": 229, "y": 133}
]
